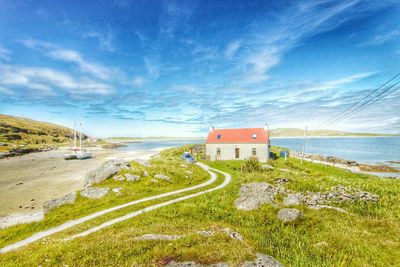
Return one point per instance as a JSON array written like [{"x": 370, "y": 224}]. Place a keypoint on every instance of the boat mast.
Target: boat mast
[
  {"x": 80, "y": 137},
  {"x": 75, "y": 134}
]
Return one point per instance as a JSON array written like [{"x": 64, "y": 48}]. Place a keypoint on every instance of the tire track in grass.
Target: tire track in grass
[
  {"x": 227, "y": 180},
  {"x": 69, "y": 224}
]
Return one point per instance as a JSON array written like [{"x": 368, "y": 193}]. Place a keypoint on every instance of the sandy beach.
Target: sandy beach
[{"x": 27, "y": 181}]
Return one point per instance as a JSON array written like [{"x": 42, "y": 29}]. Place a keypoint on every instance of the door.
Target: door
[{"x": 237, "y": 153}]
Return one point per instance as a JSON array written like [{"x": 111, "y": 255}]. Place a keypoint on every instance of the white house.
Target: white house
[{"x": 230, "y": 144}]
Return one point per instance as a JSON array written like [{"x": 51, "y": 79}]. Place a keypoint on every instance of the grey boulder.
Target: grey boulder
[
  {"x": 162, "y": 177},
  {"x": 104, "y": 171},
  {"x": 131, "y": 177},
  {"x": 289, "y": 215},
  {"x": 93, "y": 192},
  {"x": 292, "y": 200},
  {"x": 252, "y": 195},
  {"x": 263, "y": 260},
  {"x": 57, "y": 202}
]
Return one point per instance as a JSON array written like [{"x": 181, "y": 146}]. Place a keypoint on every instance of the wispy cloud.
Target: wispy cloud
[
  {"x": 152, "y": 67},
  {"x": 138, "y": 81},
  {"x": 383, "y": 38},
  {"x": 55, "y": 52},
  {"x": 232, "y": 49},
  {"x": 4, "y": 54},
  {"x": 106, "y": 40},
  {"x": 175, "y": 16}
]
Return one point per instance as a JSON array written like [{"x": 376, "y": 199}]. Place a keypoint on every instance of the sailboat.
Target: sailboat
[
  {"x": 77, "y": 152},
  {"x": 72, "y": 154},
  {"x": 82, "y": 153}
]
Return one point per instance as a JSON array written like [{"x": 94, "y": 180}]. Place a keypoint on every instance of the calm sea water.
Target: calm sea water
[{"x": 365, "y": 150}]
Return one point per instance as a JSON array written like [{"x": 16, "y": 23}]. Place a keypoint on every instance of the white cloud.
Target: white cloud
[
  {"x": 383, "y": 38},
  {"x": 138, "y": 81},
  {"x": 232, "y": 49},
  {"x": 71, "y": 56},
  {"x": 44, "y": 80},
  {"x": 94, "y": 69},
  {"x": 105, "y": 40},
  {"x": 5, "y": 91},
  {"x": 4, "y": 54},
  {"x": 152, "y": 67}
]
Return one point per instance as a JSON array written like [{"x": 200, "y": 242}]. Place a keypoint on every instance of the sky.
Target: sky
[{"x": 172, "y": 68}]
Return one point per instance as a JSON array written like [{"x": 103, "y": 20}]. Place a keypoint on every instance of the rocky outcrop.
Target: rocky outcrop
[
  {"x": 146, "y": 173},
  {"x": 158, "y": 237},
  {"x": 119, "y": 178},
  {"x": 292, "y": 200},
  {"x": 252, "y": 195},
  {"x": 232, "y": 234},
  {"x": 144, "y": 162},
  {"x": 131, "y": 177},
  {"x": 104, "y": 171},
  {"x": 117, "y": 190},
  {"x": 289, "y": 215},
  {"x": 263, "y": 260},
  {"x": 162, "y": 177},
  {"x": 93, "y": 192},
  {"x": 57, "y": 202}
]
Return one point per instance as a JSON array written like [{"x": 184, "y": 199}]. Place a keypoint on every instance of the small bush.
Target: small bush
[{"x": 251, "y": 165}]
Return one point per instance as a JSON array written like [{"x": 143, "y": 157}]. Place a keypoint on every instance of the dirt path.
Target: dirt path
[
  {"x": 69, "y": 224},
  {"x": 27, "y": 181}
]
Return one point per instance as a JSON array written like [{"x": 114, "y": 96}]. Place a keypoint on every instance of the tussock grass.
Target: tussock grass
[{"x": 369, "y": 235}]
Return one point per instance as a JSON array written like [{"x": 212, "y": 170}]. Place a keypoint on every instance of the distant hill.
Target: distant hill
[
  {"x": 288, "y": 132},
  {"x": 17, "y": 132}
]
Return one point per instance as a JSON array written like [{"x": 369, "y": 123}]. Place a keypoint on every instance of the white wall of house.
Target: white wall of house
[{"x": 228, "y": 151}]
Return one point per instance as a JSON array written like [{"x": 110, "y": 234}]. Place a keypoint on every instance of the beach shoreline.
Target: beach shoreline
[{"x": 27, "y": 181}]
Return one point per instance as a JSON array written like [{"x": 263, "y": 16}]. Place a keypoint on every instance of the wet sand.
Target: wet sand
[{"x": 27, "y": 181}]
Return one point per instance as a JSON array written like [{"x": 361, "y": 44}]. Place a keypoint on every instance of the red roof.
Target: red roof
[{"x": 248, "y": 135}]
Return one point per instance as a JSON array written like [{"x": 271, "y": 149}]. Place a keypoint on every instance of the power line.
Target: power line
[{"x": 349, "y": 111}]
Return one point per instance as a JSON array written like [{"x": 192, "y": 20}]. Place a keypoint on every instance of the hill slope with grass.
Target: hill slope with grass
[
  {"x": 22, "y": 133},
  {"x": 294, "y": 132},
  {"x": 366, "y": 234}
]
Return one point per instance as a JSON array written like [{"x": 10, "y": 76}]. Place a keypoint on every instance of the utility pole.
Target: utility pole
[{"x": 304, "y": 145}]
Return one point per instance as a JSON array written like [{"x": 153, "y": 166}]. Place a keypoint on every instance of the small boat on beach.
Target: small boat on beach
[{"x": 77, "y": 152}]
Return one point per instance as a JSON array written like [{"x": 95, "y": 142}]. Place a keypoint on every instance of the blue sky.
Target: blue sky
[{"x": 170, "y": 68}]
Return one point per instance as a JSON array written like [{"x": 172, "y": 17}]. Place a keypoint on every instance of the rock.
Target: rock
[
  {"x": 289, "y": 215},
  {"x": 184, "y": 166},
  {"x": 194, "y": 264},
  {"x": 93, "y": 192},
  {"x": 205, "y": 233},
  {"x": 321, "y": 244},
  {"x": 146, "y": 173},
  {"x": 318, "y": 207},
  {"x": 154, "y": 181},
  {"x": 232, "y": 234},
  {"x": 104, "y": 171},
  {"x": 188, "y": 172},
  {"x": 162, "y": 177},
  {"x": 292, "y": 200},
  {"x": 263, "y": 260},
  {"x": 252, "y": 195},
  {"x": 144, "y": 162},
  {"x": 131, "y": 177},
  {"x": 158, "y": 237},
  {"x": 57, "y": 202},
  {"x": 119, "y": 178},
  {"x": 117, "y": 190},
  {"x": 282, "y": 181},
  {"x": 126, "y": 168}
]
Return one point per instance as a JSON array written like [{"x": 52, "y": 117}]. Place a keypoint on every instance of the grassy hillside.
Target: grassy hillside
[
  {"x": 283, "y": 132},
  {"x": 22, "y": 133},
  {"x": 368, "y": 235}
]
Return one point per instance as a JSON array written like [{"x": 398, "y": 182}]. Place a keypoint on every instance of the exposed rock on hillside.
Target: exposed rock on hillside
[
  {"x": 131, "y": 177},
  {"x": 252, "y": 195},
  {"x": 104, "y": 171},
  {"x": 158, "y": 237},
  {"x": 93, "y": 192},
  {"x": 162, "y": 177},
  {"x": 263, "y": 260},
  {"x": 57, "y": 202},
  {"x": 289, "y": 215}
]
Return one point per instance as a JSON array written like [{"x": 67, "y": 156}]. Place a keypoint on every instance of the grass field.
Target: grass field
[{"x": 368, "y": 235}]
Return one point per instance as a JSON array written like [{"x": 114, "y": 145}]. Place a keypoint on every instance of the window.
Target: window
[
  {"x": 218, "y": 136},
  {"x": 254, "y": 151},
  {"x": 218, "y": 152},
  {"x": 237, "y": 154},
  {"x": 254, "y": 136}
]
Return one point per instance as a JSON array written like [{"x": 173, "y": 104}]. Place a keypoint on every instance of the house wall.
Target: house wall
[{"x": 245, "y": 151}]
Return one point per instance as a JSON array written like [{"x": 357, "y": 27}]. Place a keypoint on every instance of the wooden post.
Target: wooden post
[{"x": 304, "y": 145}]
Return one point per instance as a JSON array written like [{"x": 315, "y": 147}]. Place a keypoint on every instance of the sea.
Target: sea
[{"x": 361, "y": 149}]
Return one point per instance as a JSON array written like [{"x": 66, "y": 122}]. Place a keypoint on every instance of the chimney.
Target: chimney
[
  {"x": 211, "y": 128},
  {"x": 266, "y": 127}
]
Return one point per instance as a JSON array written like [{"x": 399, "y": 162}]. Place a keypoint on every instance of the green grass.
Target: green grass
[{"x": 369, "y": 235}]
